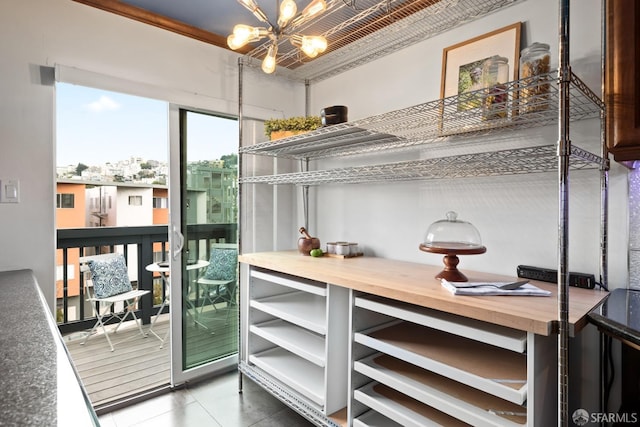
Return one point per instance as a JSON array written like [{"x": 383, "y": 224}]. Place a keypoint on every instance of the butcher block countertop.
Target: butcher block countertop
[{"x": 416, "y": 284}]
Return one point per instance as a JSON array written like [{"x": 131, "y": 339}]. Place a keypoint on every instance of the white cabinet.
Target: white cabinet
[
  {"x": 384, "y": 344},
  {"x": 423, "y": 367},
  {"x": 297, "y": 341}
]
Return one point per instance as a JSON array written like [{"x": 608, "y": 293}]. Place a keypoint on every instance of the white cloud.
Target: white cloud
[{"x": 103, "y": 104}]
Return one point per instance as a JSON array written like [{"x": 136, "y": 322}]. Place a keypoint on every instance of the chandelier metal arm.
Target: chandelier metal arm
[{"x": 253, "y": 7}]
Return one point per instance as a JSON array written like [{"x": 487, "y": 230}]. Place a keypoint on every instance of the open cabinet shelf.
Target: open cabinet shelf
[
  {"x": 397, "y": 406},
  {"x": 434, "y": 361},
  {"x": 496, "y": 371},
  {"x": 435, "y": 365},
  {"x": 297, "y": 340},
  {"x": 305, "y": 377},
  {"x": 467, "y": 403}
]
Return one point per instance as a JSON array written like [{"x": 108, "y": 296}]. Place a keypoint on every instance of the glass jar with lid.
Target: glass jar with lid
[
  {"x": 495, "y": 75},
  {"x": 534, "y": 78}
]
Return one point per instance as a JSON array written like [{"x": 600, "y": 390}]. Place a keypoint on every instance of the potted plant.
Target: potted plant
[{"x": 281, "y": 128}]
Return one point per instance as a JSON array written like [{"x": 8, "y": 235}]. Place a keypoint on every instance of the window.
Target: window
[
  {"x": 135, "y": 200},
  {"x": 65, "y": 201},
  {"x": 160, "y": 202},
  {"x": 159, "y": 256},
  {"x": 71, "y": 272},
  {"x": 216, "y": 179},
  {"x": 216, "y": 206}
]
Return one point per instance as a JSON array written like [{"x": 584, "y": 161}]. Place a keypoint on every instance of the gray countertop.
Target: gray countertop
[
  {"x": 38, "y": 385},
  {"x": 619, "y": 316}
]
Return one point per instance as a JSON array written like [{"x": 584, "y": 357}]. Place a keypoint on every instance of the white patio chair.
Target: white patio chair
[
  {"x": 218, "y": 282},
  {"x": 109, "y": 284}
]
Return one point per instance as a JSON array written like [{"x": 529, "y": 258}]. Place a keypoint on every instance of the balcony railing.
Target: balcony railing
[{"x": 140, "y": 246}]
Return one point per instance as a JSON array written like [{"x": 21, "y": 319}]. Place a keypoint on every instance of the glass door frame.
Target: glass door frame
[{"x": 177, "y": 224}]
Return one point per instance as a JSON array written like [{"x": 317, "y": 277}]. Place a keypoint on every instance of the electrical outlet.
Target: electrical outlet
[{"x": 579, "y": 280}]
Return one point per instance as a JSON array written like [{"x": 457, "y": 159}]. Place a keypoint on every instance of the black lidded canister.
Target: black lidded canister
[{"x": 333, "y": 115}]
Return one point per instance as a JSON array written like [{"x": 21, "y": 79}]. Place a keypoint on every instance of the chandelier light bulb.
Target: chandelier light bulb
[
  {"x": 317, "y": 44},
  {"x": 249, "y": 4},
  {"x": 314, "y": 8},
  {"x": 243, "y": 34},
  {"x": 288, "y": 10},
  {"x": 233, "y": 43},
  {"x": 309, "y": 45},
  {"x": 253, "y": 7},
  {"x": 269, "y": 61}
]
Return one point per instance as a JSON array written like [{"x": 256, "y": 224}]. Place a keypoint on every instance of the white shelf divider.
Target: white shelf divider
[
  {"x": 423, "y": 386},
  {"x": 298, "y": 283},
  {"x": 499, "y": 372},
  {"x": 500, "y": 336},
  {"x": 298, "y": 341},
  {"x": 416, "y": 416},
  {"x": 301, "y": 375},
  {"x": 300, "y": 308}
]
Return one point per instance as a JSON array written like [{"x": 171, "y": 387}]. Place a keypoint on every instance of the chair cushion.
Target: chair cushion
[
  {"x": 109, "y": 276},
  {"x": 223, "y": 264}
]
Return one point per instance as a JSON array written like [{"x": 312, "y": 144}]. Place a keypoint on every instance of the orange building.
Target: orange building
[{"x": 70, "y": 213}]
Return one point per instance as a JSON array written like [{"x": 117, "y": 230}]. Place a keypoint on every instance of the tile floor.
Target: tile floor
[{"x": 213, "y": 403}]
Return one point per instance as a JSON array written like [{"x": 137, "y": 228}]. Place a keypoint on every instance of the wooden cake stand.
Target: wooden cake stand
[{"x": 451, "y": 250}]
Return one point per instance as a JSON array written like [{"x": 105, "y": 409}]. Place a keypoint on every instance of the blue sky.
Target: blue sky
[{"x": 95, "y": 126}]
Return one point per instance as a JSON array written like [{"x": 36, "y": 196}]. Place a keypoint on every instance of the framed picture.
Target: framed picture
[{"x": 462, "y": 63}]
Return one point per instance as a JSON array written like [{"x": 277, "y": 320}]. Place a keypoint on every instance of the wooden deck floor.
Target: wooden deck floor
[{"x": 138, "y": 364}]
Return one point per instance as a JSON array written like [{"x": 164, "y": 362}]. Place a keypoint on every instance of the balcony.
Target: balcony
[{"x": 138, "y": 365}]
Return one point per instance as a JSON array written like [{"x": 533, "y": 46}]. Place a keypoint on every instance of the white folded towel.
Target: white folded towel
[{"x": 477, "y": 288}]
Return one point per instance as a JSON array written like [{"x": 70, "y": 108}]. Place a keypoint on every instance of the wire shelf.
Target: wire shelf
[
  {"x": 526, "y": 103},
  {"x": 504, "y": 162}
]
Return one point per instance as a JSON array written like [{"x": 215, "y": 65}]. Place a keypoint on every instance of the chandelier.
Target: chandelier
[{"x": 288, "y": 17}]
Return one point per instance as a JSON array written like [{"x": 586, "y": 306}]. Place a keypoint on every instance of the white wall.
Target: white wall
[
  {"x": 92, "y": 47},
  {"x": 516, "y": 215},
  {"x": 131, "y": 215}
]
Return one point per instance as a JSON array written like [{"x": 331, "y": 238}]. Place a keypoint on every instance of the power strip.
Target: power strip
[{"x": 580, "y": 280}]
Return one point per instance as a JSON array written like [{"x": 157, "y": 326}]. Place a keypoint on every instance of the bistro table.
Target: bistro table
[{"x": 163, "y": 268}]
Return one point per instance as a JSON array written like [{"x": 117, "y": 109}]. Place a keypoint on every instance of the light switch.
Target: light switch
[{"x": 9, "y": 191}]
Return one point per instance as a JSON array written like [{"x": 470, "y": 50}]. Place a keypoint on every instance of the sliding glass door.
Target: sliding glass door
[{"x": 203, "y": 234}]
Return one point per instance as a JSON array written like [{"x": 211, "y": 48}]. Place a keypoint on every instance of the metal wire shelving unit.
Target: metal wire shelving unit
[
  {"x": 360, "y": 31},
  {"x": 436, "y": 122}
]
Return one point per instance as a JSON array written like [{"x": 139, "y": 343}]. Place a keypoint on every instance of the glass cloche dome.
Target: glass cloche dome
[
  {"x": 452, "y": 233},
  {"x": 452, "y": 237}
]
